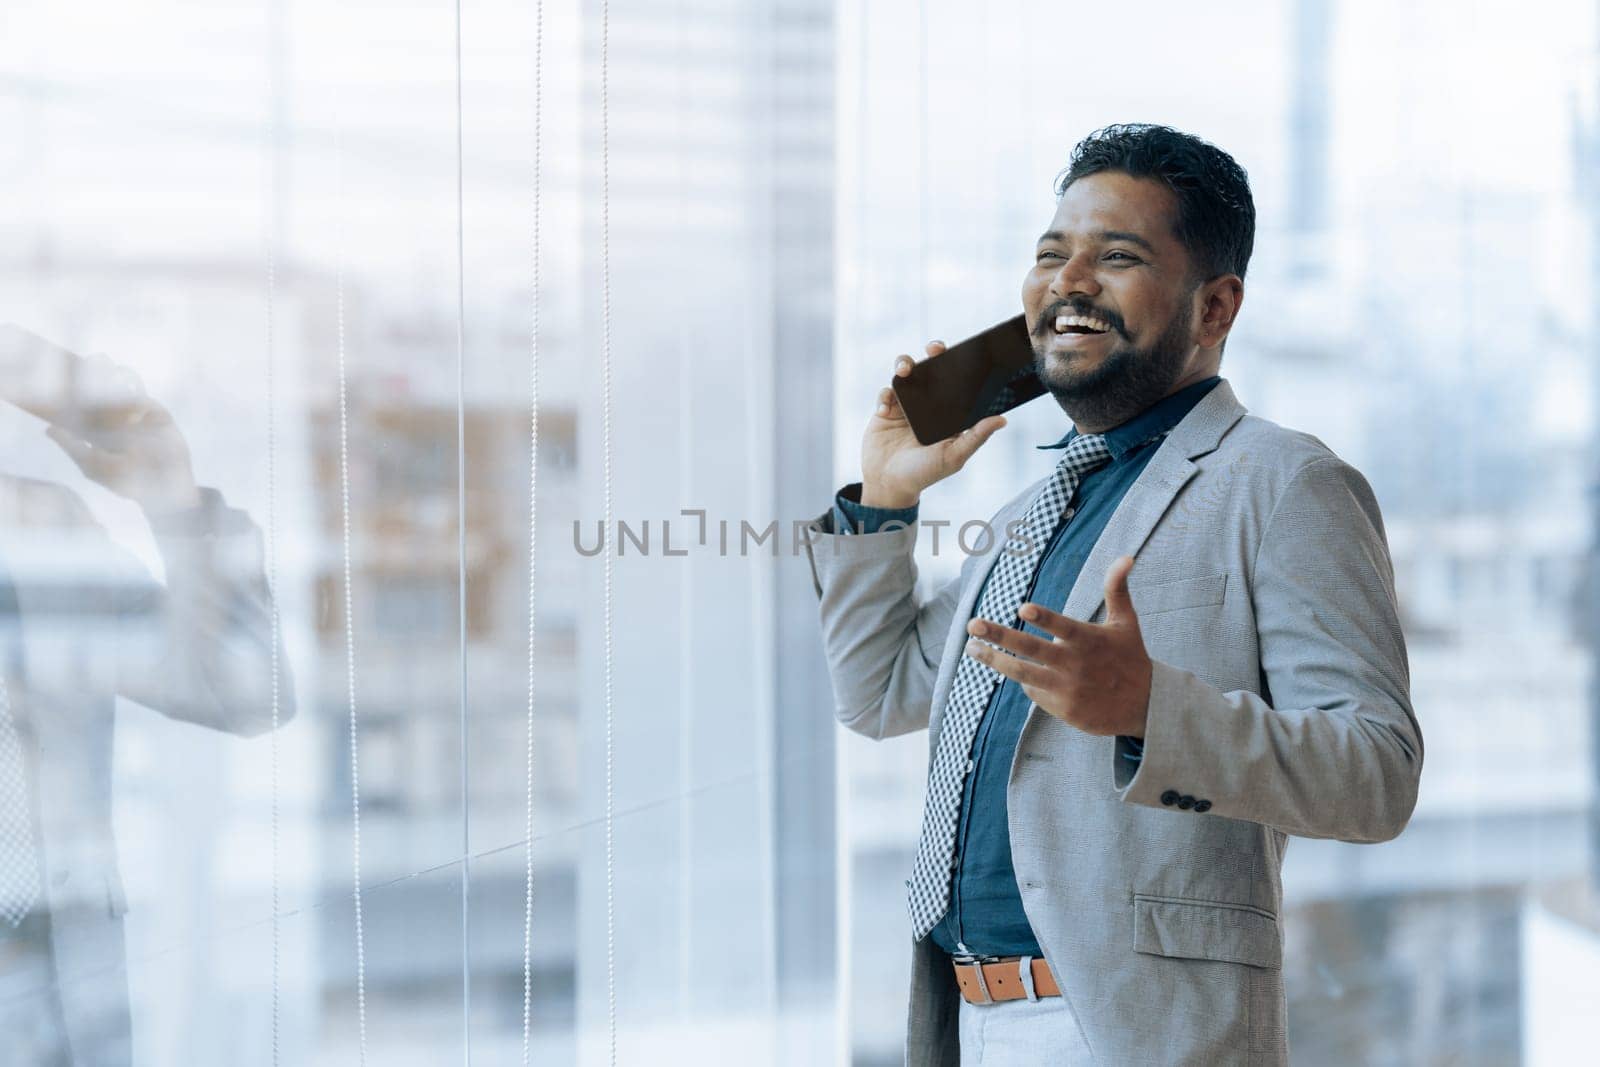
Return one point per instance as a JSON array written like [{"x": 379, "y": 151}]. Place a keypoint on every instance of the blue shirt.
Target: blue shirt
[{"x": 985, "y": 916}]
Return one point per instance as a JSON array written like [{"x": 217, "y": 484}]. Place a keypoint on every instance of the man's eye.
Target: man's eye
[
  {"x": 1124, "y": 255},
  {"x": 1045, "y": 253}
]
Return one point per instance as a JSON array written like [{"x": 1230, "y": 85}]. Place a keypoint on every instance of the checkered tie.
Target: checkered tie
[
  {"x": 19, "y": 863},
  {"x": 974, "y": 683},
  {"x": 19, "y": 866}
]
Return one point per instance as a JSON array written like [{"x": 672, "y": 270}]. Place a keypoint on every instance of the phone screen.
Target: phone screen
[{"x": 984, "y": 375}]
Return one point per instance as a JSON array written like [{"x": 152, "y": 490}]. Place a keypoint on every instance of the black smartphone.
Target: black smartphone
[{"x": 984, "y": 375}]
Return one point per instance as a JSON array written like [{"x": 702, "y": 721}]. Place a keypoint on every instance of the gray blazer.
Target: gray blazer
[
  {"x": 95, "y": 626},
  {"x": 1266, "y": 597}
]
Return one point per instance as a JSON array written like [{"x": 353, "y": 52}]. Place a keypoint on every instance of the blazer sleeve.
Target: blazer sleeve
[
  {"x": 199, "y": 646},
  {"x": 1331, "y": 748},
  {"x": 883, "y": 647}
]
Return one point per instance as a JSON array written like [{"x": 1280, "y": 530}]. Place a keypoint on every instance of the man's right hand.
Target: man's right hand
[{"x": 895, "y": 469}]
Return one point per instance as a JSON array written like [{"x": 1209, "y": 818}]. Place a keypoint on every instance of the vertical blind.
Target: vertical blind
[{"x": 517, "y": 337}]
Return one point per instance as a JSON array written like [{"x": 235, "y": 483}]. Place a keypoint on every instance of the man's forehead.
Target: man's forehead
[{"x": 1118, "y": 203}]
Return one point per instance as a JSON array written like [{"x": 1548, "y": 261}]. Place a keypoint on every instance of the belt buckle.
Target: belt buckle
[{"x": 968, "y": 959}]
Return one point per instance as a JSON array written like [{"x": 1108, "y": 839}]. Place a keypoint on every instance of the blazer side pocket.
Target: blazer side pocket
[{"x": 1206, "y": 930}]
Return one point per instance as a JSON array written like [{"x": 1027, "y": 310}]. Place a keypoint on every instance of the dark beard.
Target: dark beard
[{"x": 1126, "y": 383}]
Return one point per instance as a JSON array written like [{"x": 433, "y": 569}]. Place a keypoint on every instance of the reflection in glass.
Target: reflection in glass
[{"x": 82, "y": 623}]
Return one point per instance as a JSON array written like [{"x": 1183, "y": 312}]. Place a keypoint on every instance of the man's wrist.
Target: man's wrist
[
  {"x": 177, "y": 501},
  {"x": 852, "y": 516},
  {"x": 209, "y": 515},
  {"x": 888, "y": 500}
]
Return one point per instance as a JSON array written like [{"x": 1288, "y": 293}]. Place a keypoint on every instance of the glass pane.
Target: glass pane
[
  {"x": 229, "y": 242},
  {"x": 1420, "y": 300}
]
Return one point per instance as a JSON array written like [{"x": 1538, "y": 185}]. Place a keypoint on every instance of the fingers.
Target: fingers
[
  {"x": 1053, "y": 623},
  {"x": 1018, "y": 642},
  {"x": 111, "y": 397},
  {"x": 78, "y": 450},
  {"x": 1024, "y": 672},
  {"x": 964, "y": 444},
  {"x": 889, "y": 406},
  {"x": 34, "y": 370},
  {"x": 903, "y": 363},
  {"x": 984, "y": 429},
  {"x": 86, "y": 395}
]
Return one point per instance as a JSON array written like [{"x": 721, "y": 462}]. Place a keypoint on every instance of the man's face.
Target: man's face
[{"x": 1110, "y": 301}]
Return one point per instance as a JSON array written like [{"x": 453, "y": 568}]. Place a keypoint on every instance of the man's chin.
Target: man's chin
[{"x": 1065, "y": 376}]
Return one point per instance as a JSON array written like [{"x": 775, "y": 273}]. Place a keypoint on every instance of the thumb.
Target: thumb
[
  {"x": 1119, "y": 602},
  {"x": 963, "y": 446},
  {"x": 77, "y": 449}
]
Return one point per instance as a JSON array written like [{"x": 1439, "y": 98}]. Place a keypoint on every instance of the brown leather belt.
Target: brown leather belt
[{"x": 985, "y": 983}]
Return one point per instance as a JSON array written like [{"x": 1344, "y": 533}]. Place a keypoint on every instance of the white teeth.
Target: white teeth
[{"x": 1064, "y": 322}]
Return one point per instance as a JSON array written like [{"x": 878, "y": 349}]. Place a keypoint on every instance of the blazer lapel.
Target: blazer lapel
[{"x": 1152, "y": 494}]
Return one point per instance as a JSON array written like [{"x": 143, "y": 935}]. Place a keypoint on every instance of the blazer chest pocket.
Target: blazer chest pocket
[
  {"x": 1206, "y": 930},
  {"x": 1171, "y": 595}
]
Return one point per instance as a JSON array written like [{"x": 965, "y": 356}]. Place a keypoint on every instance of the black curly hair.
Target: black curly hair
[{"x": 1216, "y": 214}]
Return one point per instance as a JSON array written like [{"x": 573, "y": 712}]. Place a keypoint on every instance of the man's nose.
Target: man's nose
[{"x": 1074, "y": 279}]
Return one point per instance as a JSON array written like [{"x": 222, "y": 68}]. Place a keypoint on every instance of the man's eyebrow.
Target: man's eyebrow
[{"x": 1103, "y": 235}]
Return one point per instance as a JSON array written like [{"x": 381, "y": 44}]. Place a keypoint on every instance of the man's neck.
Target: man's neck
[{"x": 1199, "y": 374}]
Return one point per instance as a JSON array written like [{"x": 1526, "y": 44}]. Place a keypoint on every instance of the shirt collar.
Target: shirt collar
[{"x": 1153, "y": 422}]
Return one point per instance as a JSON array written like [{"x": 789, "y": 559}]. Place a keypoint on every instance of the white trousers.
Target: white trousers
[{"x": 1022, "y": 1033}]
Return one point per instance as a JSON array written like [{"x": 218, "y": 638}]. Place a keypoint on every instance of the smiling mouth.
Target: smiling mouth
[{"x": 1067, "y": 324}]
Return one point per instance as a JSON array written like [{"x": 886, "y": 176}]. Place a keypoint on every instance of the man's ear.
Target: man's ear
[{"x": 1217, "y": 304}]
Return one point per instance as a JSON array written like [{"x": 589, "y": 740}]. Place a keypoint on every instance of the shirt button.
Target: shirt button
[
  {"x": 1070, "y": 512},
  {"x": 971, "y": 765}
]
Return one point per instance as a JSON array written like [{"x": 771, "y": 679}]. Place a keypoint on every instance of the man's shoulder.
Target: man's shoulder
[
  {"x": 36, "y": 505},
  {"x": 1261, "y": 464},
  {"x": 1273, "y": 451}
]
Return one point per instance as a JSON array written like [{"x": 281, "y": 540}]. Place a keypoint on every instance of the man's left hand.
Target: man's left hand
[{"x": 1094, "y": 676}]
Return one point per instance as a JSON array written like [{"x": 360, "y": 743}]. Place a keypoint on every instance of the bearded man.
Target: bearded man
[{"x": 1184, "y": 648}]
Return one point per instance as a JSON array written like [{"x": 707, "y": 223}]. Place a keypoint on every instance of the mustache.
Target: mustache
[{"x": 1046, "y": 321}]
